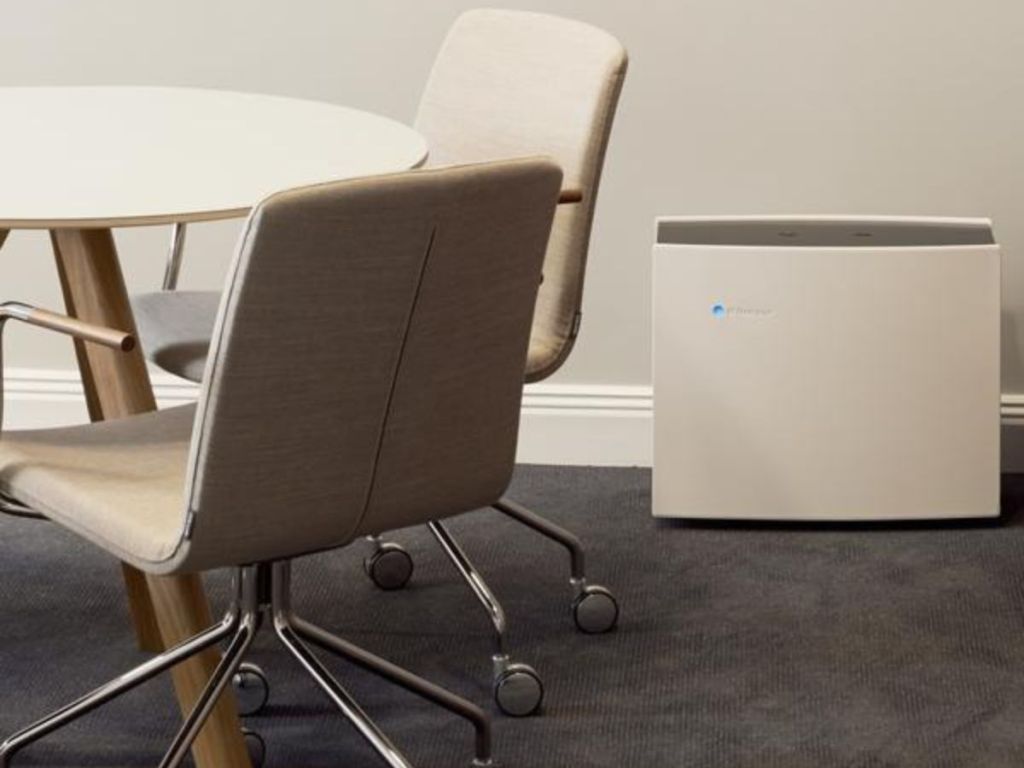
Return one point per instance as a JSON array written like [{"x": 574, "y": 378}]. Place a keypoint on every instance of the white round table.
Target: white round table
[
  {"x": 78, "y": 161},
  {"x": 123, "y": 156}
]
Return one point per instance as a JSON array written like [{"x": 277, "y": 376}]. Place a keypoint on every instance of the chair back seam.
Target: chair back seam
[{"x": 372, "y": 485}]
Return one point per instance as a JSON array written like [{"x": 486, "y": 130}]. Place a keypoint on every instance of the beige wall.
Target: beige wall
[{"x": 742, "y": 106}]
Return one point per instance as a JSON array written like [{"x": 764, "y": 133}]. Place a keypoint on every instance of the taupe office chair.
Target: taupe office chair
[
  {"x": 374, "y": 387},
  {"x": 505, "y": 84}
]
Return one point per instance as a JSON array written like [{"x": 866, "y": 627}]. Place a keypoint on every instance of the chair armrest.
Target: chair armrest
[
  {"x": 570, "y": 195},
  {"x": 108, "y": 337}
]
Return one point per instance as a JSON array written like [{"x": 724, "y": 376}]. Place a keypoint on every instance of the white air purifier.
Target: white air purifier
[{"x": 826, "y": 368}]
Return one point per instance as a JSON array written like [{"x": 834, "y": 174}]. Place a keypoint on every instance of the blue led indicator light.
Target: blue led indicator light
[{"x": 718, "y": 310}]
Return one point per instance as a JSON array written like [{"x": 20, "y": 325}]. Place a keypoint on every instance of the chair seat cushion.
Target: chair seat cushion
[
  {"x": 119, "y": 483},
  {"x": 175, "y": 327}
]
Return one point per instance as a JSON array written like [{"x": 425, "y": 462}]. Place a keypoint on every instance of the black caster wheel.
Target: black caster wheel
[
  {"x": 595, "y": 610},
  {"x": 389, "y": 567},
  {"x": 251, "y": 688},
  {"x": 518, "y": 690},
  {"x": 256, "y": 746}
]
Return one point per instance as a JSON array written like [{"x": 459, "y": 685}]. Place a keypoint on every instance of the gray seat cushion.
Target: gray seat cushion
[{"x": 175, "y": 327}]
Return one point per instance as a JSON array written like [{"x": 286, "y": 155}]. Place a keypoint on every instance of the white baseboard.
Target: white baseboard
[
  {"x": 571, "y": 424},
  {"x": 1013, "y": 434},
  {"x": 561, "y": 423},
  {"x": 587, "y": 424}
]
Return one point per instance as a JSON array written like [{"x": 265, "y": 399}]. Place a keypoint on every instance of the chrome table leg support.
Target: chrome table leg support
[
  {"x": 247, "y": 628},
  {"x": 174, "y": 254},
  {"x": 120, "y": 685}
]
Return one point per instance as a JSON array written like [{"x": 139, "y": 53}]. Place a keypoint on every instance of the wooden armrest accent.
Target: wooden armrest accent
[
  {"x": 570, "y": 196},
  {"x": 80, "y": 329}
]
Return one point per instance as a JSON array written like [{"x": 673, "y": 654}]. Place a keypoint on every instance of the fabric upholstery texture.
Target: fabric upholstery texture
[
  {"x": 513, "y": 83},
  {"x": 377, "y": 386},
  {"x": 505, "y": 84},
  {"x": 349, "y": 387},
  {"x": 120, "y": 483}
]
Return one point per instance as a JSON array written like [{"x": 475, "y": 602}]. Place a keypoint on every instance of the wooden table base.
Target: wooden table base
[{"x": 166, "y": 610}]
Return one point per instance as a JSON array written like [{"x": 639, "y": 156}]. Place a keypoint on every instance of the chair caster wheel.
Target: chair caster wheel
[
  {"x": 595, "y": 610},
  {"x": 389, "y": 567},
  {"x": 256, "y": 746},
  {"x": 518, "y": 690},
  {"x": 252, "y": 689}
]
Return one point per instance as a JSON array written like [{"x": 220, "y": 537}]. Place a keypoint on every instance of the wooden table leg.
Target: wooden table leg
[
  {"x": 167, "y": 610},
  {"x": 115, "y": 384}
]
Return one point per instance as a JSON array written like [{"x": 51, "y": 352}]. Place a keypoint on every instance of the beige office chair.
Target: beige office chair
[
  {"x": 375, "y": 387},
  {"x": 505, "y": 84}
]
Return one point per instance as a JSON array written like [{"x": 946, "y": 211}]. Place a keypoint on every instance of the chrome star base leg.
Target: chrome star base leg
[
  {"x": 263, "y": 590},
  {"x": 225, "y": 670},
  {"x": 239, "y": 625},
  {"x": 292, "y": 630},
  {"x": 594, "y": 608},
  {"x": 518, "y": 689}
]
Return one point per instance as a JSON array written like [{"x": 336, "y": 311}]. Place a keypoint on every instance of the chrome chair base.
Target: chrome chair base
[
  {"x": 594, "y": 608},
  {"x": 250, "y": 682},
  {"x": 239, "y": 625},
  {"x": 263, "y": 590},
  {"x": 518, "y": 689}
]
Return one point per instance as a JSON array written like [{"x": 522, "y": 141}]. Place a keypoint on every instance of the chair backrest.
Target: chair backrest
[
  {"x": 512, "y": 83},
  {"x": 366, "y": 366}
]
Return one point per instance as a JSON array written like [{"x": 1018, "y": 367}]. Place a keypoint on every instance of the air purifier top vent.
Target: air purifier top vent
[{"x": 825, "y": 232}]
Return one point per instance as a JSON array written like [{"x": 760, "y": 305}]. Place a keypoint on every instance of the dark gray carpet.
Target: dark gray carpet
[{"x": 739, "y": 645}]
